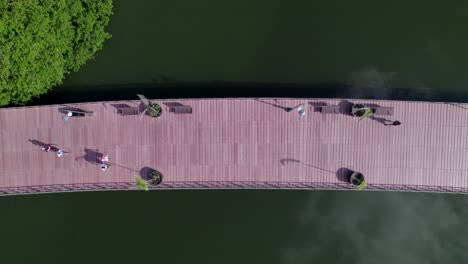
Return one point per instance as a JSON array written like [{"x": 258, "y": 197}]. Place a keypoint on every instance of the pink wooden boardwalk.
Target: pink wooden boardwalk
[{"x": 237, "y": 143}]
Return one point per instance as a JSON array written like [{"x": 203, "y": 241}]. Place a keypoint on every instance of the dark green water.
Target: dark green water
[
  {"x": 179, "y": 48},
  {"x": 234, "y": 227}
]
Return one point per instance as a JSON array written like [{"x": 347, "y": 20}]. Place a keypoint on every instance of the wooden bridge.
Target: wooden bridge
[{"x": 236, "y": 144}]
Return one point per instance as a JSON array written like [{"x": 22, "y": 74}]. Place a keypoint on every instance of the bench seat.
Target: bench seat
[
  {"x": 181, "y": 109},
  {"x": 330, "y": 109}
]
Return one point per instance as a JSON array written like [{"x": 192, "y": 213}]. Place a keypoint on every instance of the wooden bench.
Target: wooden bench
[
  {"x": 181, "y": 109},
  {"x": 330, "y": 109},
  {"x": 128, "y": 111},
  {"x": 383, "y": 110}
]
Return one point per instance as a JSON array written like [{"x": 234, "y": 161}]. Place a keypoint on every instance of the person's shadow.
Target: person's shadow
[
  {"x": 42, "y": 144},
  {"x": 285, "y": 161},
  {"x": 92, "y": 156},
  {"x": 381, "y": 120},
  {"x": 287, "y": 109}
]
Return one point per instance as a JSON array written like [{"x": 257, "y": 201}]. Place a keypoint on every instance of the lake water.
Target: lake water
[{"x": 413, "y": 50}]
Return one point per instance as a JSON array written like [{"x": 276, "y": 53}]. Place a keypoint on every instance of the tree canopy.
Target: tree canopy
[{"x": 42, "y": 40}]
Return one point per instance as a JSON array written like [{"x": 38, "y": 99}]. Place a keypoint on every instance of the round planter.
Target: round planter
[
  {"x": 154, "y": 110},
  {"x": 358, "y": 110},
  {"x": 356, "y": 178},
  {"x": 155, "y": 177}
]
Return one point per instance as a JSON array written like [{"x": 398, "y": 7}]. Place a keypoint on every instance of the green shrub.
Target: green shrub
[
  {"x": 142, "y": 184},
  {"x": 155, "y": 177},
  {"x": 154, "y": 110},
  {"x": 367, "y": 113},
  {"x": 42, "y": 40}
]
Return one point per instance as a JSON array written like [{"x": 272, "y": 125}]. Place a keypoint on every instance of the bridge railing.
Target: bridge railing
[{"x": 115, "y": 186}]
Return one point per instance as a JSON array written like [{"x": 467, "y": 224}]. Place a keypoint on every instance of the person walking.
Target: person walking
[
  {"x": 105, "y": 158},
  {"x": 300, "y": 109},
  {"x": 60, "y": 153},
  {"x": 104, "y": 166},
  {"x": 47, "y": 148}
]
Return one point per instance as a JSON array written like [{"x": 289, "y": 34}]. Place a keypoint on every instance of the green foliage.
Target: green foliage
[
  {"x": 368, "y": 112},
  {"x": 155, "y": 177},
  {"x": 41, "y": 40},
  {"x": 144, "y": 100},
  {"x": 142, "y": 184},
  {"x": 362, "y": 185},
  {"x": 154, "y": 110}
]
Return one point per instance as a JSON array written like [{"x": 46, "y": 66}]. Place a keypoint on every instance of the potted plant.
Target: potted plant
[
  {"x": 357, "y": 179},
  {"x": 154, "y": 110},
  {"x": 361, "y": 111},
  {"x": 155, "y": 178}
]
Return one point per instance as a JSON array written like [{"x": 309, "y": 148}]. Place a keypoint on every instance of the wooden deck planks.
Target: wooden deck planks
[{"x": 252, "y": 143}]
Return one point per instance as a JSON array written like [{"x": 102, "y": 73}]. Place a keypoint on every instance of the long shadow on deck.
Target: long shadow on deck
[
  {"x": 285, "y": 161},
  {"x": 285, "y": 108},
  {"x": 381, "y": 120},
  {"x": 120, "y": 166},
  {"x": 42, "y": 144},
  {"x": 92, "y": 156},
  {"x": 342, "y": 174}
]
